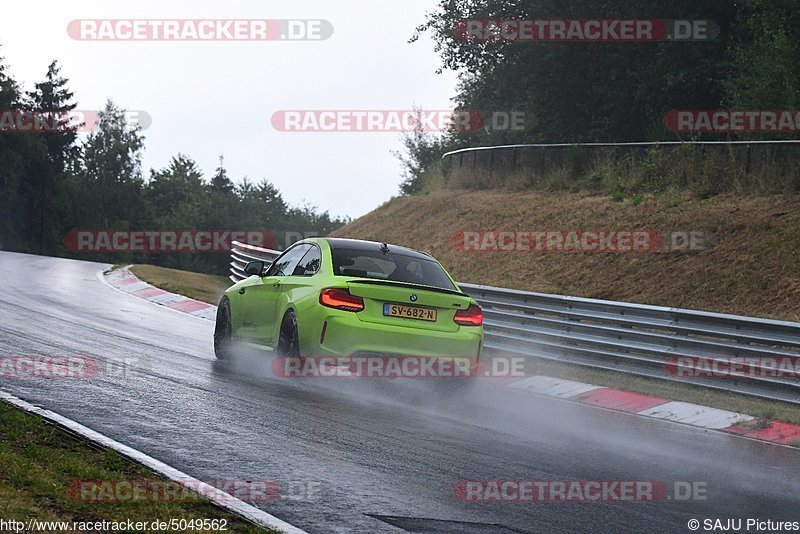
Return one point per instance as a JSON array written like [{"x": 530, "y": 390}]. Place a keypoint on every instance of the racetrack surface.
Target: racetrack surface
[{"x": 393, "y": 451}]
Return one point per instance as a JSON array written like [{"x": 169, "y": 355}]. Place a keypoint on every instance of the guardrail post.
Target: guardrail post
[
  {"x": 542, "y": 164},
  {"x": 702, "y": 160},
  {"x": 747, "y": 163}
]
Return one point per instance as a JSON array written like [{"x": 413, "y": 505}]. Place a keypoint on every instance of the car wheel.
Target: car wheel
[
  {"x": 288, "y": 338},
  {"x": 222, "y": 330}
]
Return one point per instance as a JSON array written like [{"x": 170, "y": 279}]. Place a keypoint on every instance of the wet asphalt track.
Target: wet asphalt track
[{"x": 389, "y": 453}]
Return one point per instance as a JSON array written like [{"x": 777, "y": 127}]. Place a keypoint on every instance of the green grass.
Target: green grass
[
  {"x": 39, "y": 462},
  {"x": 706, "y": 171},
  {"x": 205, "y": 287}
]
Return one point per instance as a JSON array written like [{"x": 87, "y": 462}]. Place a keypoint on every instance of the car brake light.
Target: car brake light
[
  {"x": 341, "y": 299},
  {"x": 472, "y": 316}
]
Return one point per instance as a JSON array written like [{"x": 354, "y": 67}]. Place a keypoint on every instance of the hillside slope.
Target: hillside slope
[{"x": 752, "y": 268}]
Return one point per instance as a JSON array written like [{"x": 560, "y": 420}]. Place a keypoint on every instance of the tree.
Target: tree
[
  {"x": 13, "y": 149},
  {"x": 766, "y": 57},
  {"x": 261, "y": 206},
  {"x": 176, "y": 200},
  {"x": 112, "y": 169},
  {"x": 220, "y": 183},
  {"x": 53, "y": 101},
  {"x": 178, "y": 188},
  {"x": 572, "y": 92},
  {"x": 50, "y": 184},
  {"x": 222, "y": 202},
  {"x": 423, "y": 150}
]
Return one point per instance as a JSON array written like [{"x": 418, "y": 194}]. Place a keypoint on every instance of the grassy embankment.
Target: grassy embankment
[{"x": 40, "y": 463}]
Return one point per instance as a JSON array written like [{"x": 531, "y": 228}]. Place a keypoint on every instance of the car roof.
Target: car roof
[{"x": 359, "y": 244}]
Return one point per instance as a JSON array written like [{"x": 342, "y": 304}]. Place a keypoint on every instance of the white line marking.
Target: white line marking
[
  {"x": 695, "y": 415},
  {"x": 102, "y": 278},
  {"x": 553, "y": 387},
  {"x": 218, "y": 497}
]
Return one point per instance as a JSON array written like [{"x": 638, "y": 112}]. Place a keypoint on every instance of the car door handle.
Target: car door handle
[
  {"x": 241, "y": 291},
  {"x": 276, "y": 283}
]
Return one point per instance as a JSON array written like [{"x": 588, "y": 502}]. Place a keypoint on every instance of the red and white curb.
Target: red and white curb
[
  {"x": 589, "y": 394},
  {"x": 218, "y": 497},
  {"x": 659, "y": 408},
  {"x": 127, "y": 282}
]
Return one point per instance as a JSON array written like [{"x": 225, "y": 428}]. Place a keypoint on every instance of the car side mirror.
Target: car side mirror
[{"x": 256, "y": 268}]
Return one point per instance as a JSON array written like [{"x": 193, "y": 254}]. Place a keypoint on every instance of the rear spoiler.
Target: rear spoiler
[{"x": 408, "y": 285}]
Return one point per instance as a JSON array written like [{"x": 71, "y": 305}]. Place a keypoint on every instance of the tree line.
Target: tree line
[
  {"x": 54, "y": 181},
  {"x": 608, "y": 91}
]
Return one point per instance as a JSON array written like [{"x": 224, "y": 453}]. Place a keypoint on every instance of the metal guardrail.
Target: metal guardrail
[
  {"x": 630, "y": 144},
  {"x": 749, "y": 156},
  {"x": 243, "y": 253},
  {"x": 635, "y": 339}
]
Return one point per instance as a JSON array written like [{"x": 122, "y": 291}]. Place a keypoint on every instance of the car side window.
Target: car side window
[
  {"x": 286, "y": 263},
  {"x": 309, "y": 265}
]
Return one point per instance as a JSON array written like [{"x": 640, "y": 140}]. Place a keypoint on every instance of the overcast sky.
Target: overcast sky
[{"x": 212, "y": 98}]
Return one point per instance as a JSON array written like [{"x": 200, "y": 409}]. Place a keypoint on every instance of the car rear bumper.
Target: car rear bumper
[{"x": 345, "y": 336}]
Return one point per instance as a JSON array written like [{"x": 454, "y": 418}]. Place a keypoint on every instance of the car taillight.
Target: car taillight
[
  {"x": 341, "y": 299},
  {"x": 472, "y": 316}
]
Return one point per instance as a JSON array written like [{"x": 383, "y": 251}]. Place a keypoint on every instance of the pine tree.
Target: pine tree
[
  {"x": 112, "y": 165},
  {"x": 53, "y": 101},
  {"x": 12, "y": 169},
  {"x": 220, "y": 183}
]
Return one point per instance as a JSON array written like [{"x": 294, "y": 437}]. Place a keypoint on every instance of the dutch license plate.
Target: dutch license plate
[{"x": 409, "y": 312}]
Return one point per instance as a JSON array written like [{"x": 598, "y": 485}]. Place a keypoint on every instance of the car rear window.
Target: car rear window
[{"x": 390, "y": 266}]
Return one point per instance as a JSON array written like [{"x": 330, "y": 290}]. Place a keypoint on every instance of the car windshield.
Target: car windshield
[{"x": 393, "y": 266}]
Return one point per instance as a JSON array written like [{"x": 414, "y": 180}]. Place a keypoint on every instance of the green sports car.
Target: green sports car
[{"x": 326, "y": 297}]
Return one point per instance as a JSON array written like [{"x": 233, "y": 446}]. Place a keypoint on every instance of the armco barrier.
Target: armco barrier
[{"x": 630, "y": 338}]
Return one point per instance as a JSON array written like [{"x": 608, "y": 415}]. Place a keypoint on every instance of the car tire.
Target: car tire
[
  {"x": 288, "y": 337},
  {"x": 222, "y": 330}
]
